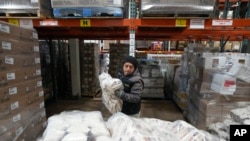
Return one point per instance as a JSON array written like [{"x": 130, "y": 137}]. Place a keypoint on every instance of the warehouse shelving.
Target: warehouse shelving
[
  {"x": 145, "y": 29},
  {"x": 152, "y": 29}
]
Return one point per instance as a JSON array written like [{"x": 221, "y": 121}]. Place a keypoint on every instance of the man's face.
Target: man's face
[{"x": 128, "y": 68}]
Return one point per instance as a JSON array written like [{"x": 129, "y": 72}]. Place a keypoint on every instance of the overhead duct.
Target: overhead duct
[{"x": 177, "y": 8}]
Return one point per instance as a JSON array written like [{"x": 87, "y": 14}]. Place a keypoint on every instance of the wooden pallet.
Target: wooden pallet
[{"x": 23, "y": 13}]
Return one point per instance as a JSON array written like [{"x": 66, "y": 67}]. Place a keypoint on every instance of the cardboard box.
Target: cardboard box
[
  {"x": 223, "y": 84},
  {"x": 8, "y": 62},
  {"x": 12, "y": 46},
  {"x": 18, "y": 90},
  {"x": 153, "y": 82},
  {"x": 213, "y": 61},
  {"x": 16, "y": 32},
  {"x": 240, "y": 71},
  {"x": 15, "y": 76}
]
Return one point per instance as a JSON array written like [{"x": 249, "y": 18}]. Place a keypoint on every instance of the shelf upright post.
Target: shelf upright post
[
  {"x": 237, "y": 9},
  {"x": 75, "y": 68},
  {"x": 245, "y": 46},
  {"x": 132, "y": 15},
  {"x": 247, "y": 15},
  {"x": 226, "y": 8},
  {"x": 216, "y": 12},
  {"x": 53, "y": 69}
]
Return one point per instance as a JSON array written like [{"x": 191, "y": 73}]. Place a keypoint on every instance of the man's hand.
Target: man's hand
[{"x": 119, "y": 93}]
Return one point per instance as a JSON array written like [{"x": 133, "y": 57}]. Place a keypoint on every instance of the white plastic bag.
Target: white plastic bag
[{"x": 109, "y": 85}]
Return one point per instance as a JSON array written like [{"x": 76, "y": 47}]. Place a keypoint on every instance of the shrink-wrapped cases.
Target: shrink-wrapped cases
[
  {"x": 176, "y": 8},
  {"x": 29, "y": 7},
  {"x": 87, "y": 8},
  {"x": 86, "y": 3}
]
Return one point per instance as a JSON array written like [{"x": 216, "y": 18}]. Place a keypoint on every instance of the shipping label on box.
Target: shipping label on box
[
  {"x": 11, "y": 46},
  {"x": 18, "y": 75},
  {"x": 9, "y": 62},
  {"x": 223, "y": 84}
]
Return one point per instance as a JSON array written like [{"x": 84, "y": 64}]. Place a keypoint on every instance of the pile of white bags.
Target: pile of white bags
[
  {"x": 125, "y": 128},
  {"x": 76, "y": 126},
  {"x": 90, "y": 126},
  {"x": 109, "y": 85}
]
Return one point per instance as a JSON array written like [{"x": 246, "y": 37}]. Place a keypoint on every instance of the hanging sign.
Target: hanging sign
[
  {"x": 85, "y": 23},
  {"x": 222, "y": 22},
  {"x": 181, "y": 23},
  {"x": 197, "y": 24},
  {"x": 26, "y": 23},
  {"x": 48, "y": 23},
  {"x": 14, "y": 21}
]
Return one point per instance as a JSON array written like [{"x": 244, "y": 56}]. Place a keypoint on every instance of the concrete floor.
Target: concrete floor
[{"x": 160, "y": 109}]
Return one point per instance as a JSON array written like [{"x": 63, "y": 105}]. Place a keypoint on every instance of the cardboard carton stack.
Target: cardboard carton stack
[
  {"x": 153, "y": 81},
  {"x": 22, "y": 112},
  {"x": 212, "y": 90},
  {"x": 89, "y": 65},
  {"x": 117, "y": 53}
]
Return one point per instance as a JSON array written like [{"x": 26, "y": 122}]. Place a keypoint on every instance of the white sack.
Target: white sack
[
  {"x": 123, "y": 127},
  {"x": 109, "y": 85},
  {"x": 75, "y": 126},
  {"x": 75, "y": 137}
]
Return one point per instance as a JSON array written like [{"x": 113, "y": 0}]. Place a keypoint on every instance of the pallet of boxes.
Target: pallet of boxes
[
  {"x": 89, "y": 69},
  {"x": 22, "y": 112},
  {"x": 219, "y": 82}
]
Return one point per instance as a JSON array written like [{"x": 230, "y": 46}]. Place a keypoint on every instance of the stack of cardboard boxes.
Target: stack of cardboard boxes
[
  {"x": 22, "y": 112},
  {"x": 153, "y": 81},
  {"x": 117, "y": 53},
  {"x": 212, "y": 91},
  {"x": 89, "y": 66}
]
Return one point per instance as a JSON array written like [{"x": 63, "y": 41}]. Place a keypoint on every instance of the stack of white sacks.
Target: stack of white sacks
[
  {"x": 76, "y": 126},
  {"x": 90, "y": 126}
]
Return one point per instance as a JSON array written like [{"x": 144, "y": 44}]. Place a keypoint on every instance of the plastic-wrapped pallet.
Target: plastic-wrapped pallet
[
  {"x": 123, "y": 127},
  {"x": 109, "y": 85},
  {"x": 76, "y": 125},
  {"x": 240, "y": 114}
]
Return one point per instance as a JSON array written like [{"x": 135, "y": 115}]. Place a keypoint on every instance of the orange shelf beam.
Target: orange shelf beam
[
  {"x": 112, "y": 22},
  {"x": 118, "y": 28},
  {"x": 239, "y": 23}
]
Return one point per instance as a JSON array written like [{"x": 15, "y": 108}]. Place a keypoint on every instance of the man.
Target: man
[{"x": 133, "y": 87}]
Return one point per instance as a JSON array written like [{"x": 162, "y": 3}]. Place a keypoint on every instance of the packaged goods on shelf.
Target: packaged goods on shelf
[
  {"x": 25, "y": 8},
  {"x": 167, "y": 64},
  {"x": 87, "y": 3},
  {"x": 78, "y": 12},
  {"x": 153, "y": 80},
  {"x": 87, "y": 8},
  {"x": 173, "y": 8}
]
